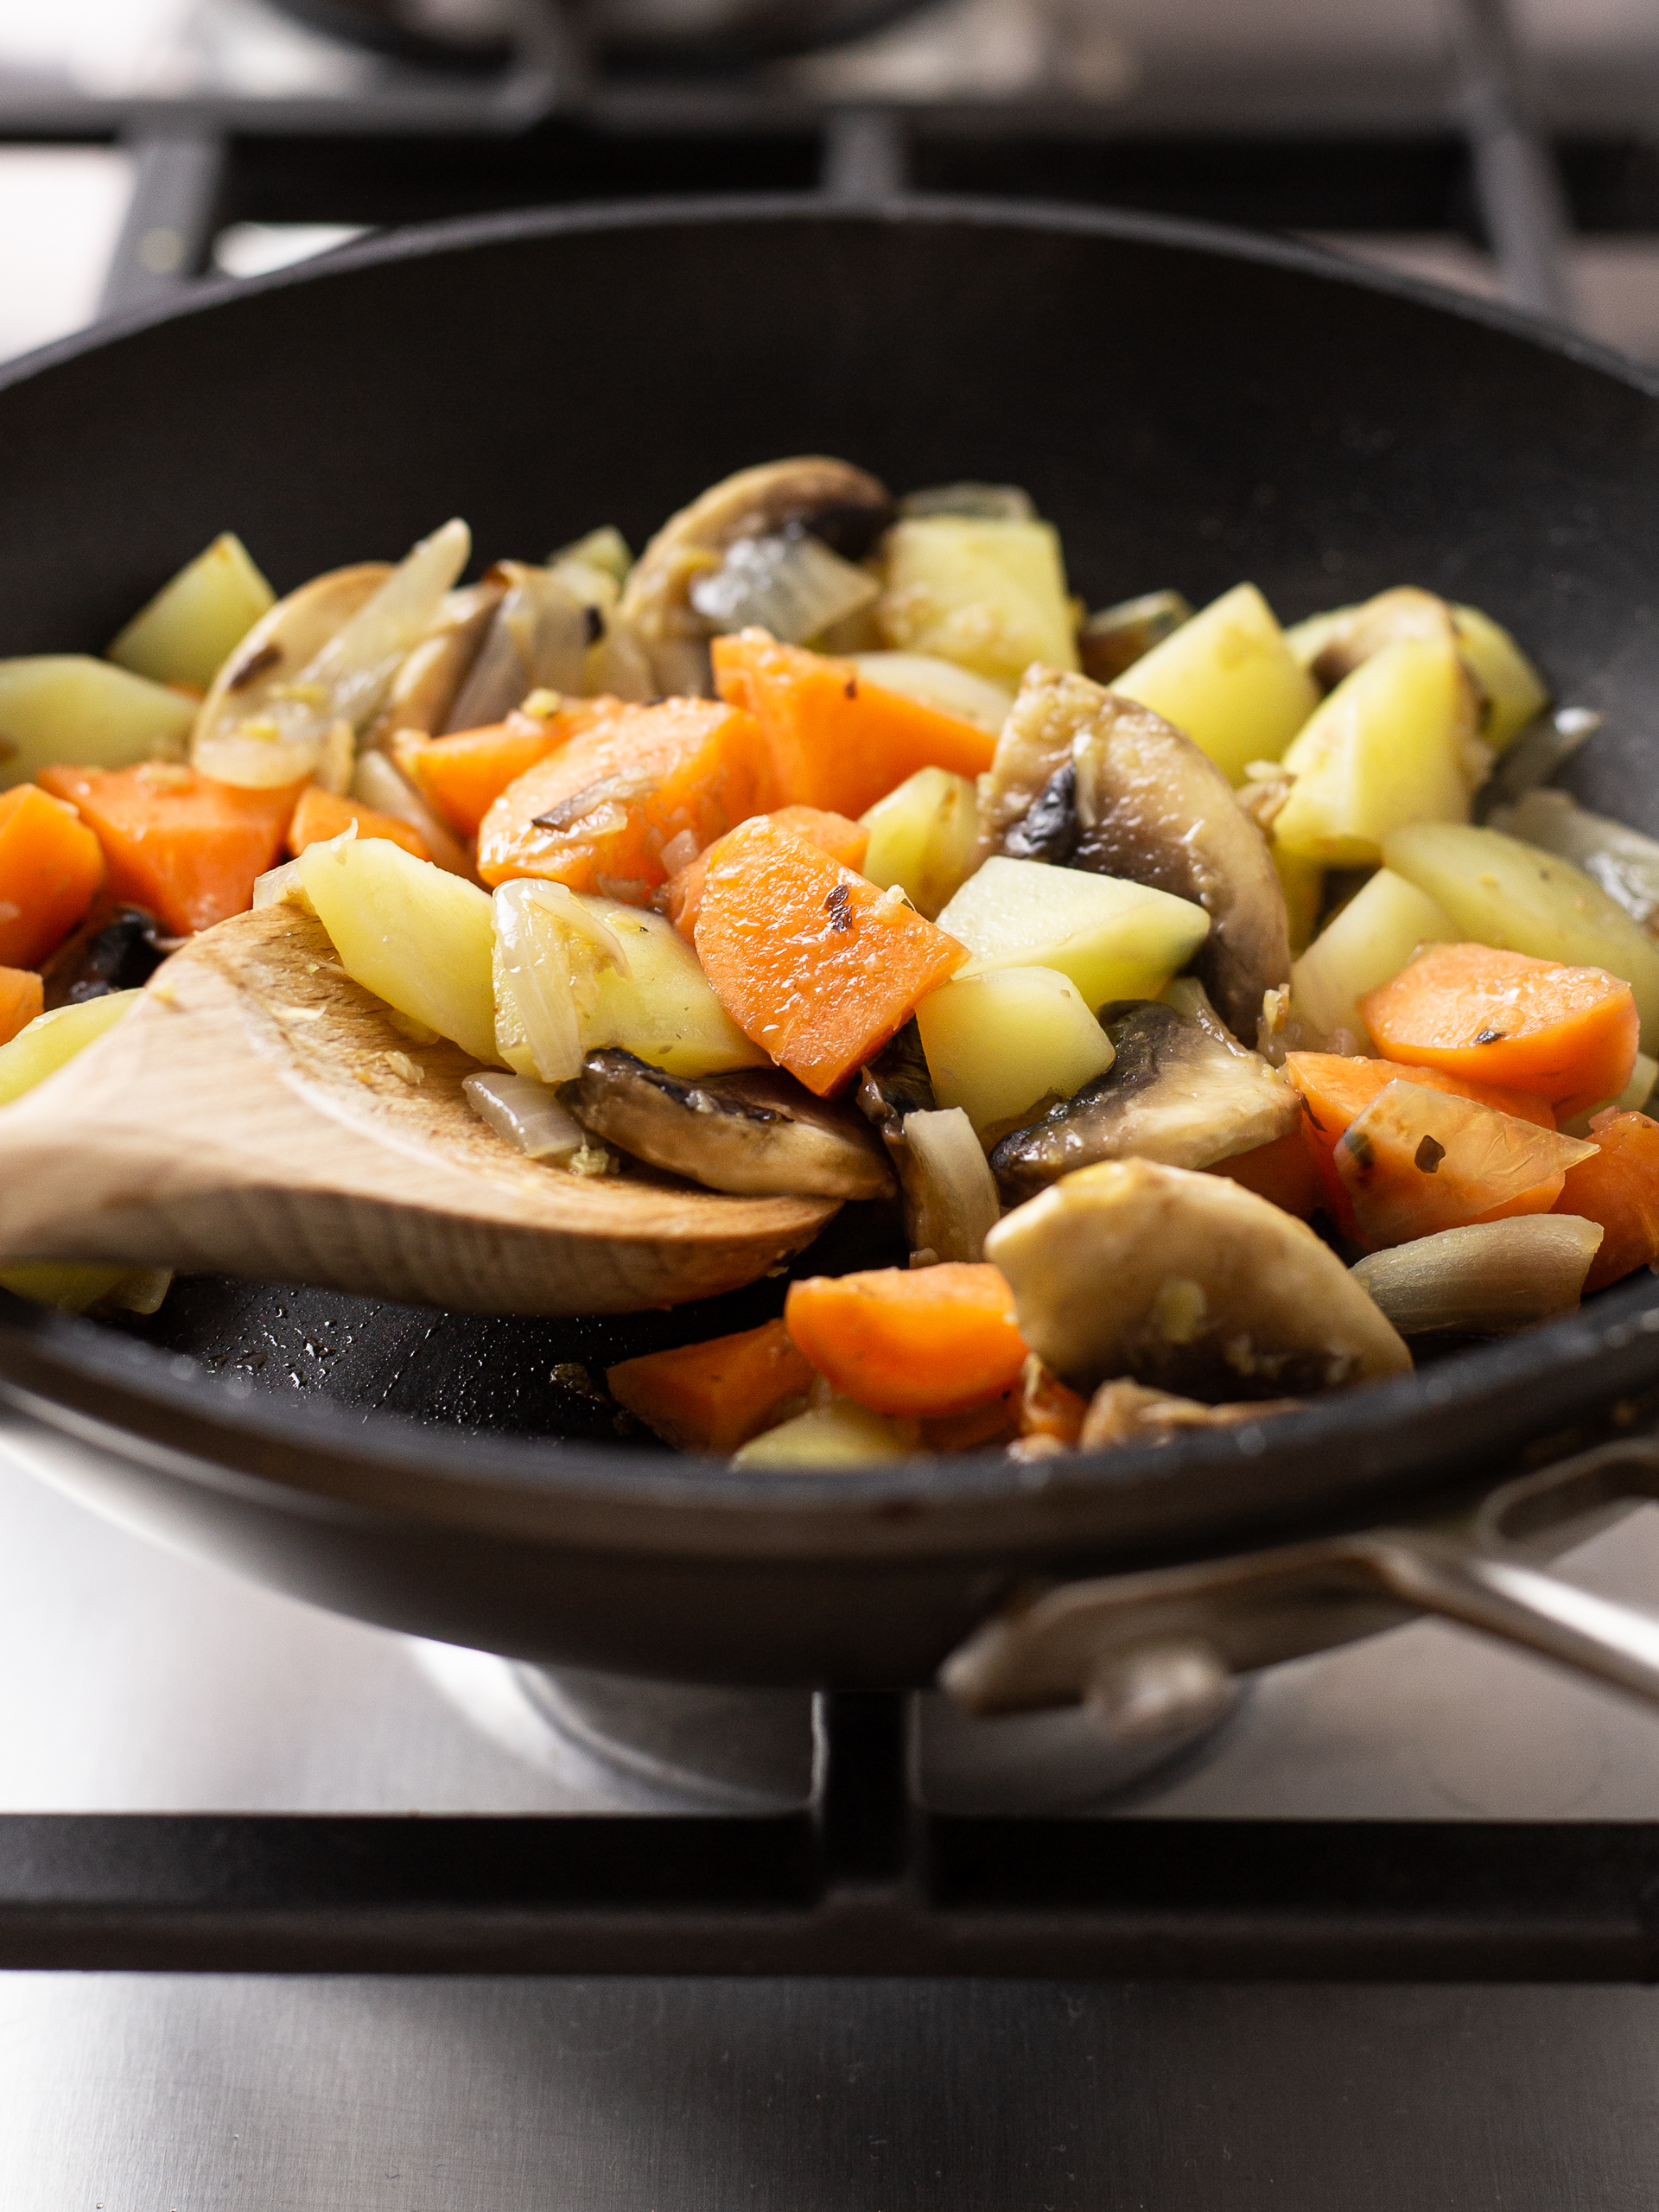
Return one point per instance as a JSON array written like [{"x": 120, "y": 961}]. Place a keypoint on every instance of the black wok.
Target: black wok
[{"x": 1190, "y": 408}]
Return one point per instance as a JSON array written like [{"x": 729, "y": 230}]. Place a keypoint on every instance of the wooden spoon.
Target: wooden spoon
[{"x": 259, "y": 1114}]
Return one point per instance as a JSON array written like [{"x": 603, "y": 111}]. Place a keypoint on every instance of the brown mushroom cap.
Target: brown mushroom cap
[{"x": 1148, "y": 805}]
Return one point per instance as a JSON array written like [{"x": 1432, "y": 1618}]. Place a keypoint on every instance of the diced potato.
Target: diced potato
[
  {"x": 42, "y": 1045},
  {"x": 1499, "y": 891},
  {"x": 1386, "y": 748},
  {"x": 194, "y": 624},
  {"x": 664, "y": 1009},
  {"x": 840, "y": 1434},
  {"x": 574, "y": 972},
  {"x": 1116, "y": 940},
  {"x": 1367, "y": 943},
  {"x": 941, "y": 683},
  {"x": 1302, "y": 882},
  {"x": 1515, "y": 690},
  {"x": 416, "y": 937},
  {"x": 67, "y": 707},
  {"x": 989, "y": 596},
  {"x": 1228, "y": 680},
  {"x": 1000, "y": 1044},
  {"x": 922, "y": 837}
]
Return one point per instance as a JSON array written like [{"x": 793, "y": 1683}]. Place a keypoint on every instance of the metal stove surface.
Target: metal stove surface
[{"x": 136, "y": 1680}]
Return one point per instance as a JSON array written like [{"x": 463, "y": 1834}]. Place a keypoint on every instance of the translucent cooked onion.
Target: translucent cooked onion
[
  {"x": 1417, "y": 1160},
  {"x": 537, "y": 639},
  {"x": 288, "y": 733},
  {"x": 380, "y": 783},
  {"x": 950, "y": 1200},
  {"x": 277, "y": 884},
  {"x": 1623, "y": 861},
  {"x": 527, "y": 1114},
  {"x": 790, "y": 584},
  {"x": 1535, "y": 755},
  {"x": 1485, "y": 1279},
  {"x": 549, "y": 954}
]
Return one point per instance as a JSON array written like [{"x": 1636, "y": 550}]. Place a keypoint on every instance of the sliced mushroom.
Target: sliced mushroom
[
  {"x": 1182, "y": 1091},
  {"x": 1186, "y": 1281},
  {"x": 756, "y": 1131},
  {"x": 1123, "y": 1413},
  {"x": 284, "y": 641},
  {"x": 1147, "y": 805},
  {"x": 421, "y": 694},
  {"x": 844, "y": 506},
  {"x": 538, "y": 640}
]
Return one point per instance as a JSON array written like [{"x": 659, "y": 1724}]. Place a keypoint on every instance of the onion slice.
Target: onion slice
[
  {"x": 527, "y": 1114},
  {"x": 951, "y": 1201},
  {"x": 1417, "y": 1160},
  {"x": 790, "y": 584},
  {"x": 1487, "y": 1279},
  {"x": 1622, "y": 860}
]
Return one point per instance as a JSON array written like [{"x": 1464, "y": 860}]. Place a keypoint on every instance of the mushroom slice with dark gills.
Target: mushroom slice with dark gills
[
  {"x": 757, "y": 1131},
  {"x": 844, "y": 508},
  {"x": 1188, "y": 1282},
  {"x": 1144, "y": 803},
  {"x": 1181, "y": 1091}
]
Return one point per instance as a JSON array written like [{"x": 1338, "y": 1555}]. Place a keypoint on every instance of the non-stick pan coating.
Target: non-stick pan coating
[{"x": 1189, "y": 408}]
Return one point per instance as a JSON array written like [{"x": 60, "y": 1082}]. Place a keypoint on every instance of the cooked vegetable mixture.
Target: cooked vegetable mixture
[{"x": 1223, "y": 1005}]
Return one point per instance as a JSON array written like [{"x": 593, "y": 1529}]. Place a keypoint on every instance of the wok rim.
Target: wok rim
[{"x": 120, "y": 1394}]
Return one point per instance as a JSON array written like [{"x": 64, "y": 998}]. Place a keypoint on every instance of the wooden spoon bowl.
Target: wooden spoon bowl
[{"x": 259, "y": 1114}]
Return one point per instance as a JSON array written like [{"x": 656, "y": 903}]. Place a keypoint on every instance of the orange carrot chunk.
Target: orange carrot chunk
[
  {"x": 177, "y": 842},
  {"x": 1569, "y": 1034},
  {"x": 463, "y": 776},
  {"x": 838, "y": 740},
  {"x": 810, "y": 960},
  {"x": 1618, "y": 1186},
  {"x": 1284, "y": 1172},
  {"x": 715, "y": 1395},
  {"x": 636, "y": 782},
  {"x": 321, "y": 816},
  {"x": 1336, "y": 1090},
  {"x": 51, "y": 865},
  {"x": 927, "y": 1341},
  {"x": 682, "y": 896},
  {"x": 22, "y": 996},
  {"x": 1418, "y": 1160}
]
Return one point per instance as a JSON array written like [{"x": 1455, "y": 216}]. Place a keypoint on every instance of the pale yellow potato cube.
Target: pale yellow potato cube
[
  {"x": 193, "y": 626},
  {"x": 1363, "y": 947},
  {"x": 922, "y": 837},
  {"x": 1386, "y": 748},
  {"x": 840, "y": 1434},
  {"x": 1228, "y": 680},
  {"x": 1116, "y": 940},
  {"x": 67, "y": 707},
  {"x": 1000, "y": 1044},
  {"x": 988, "y": 595},
  {"x": 1498, "y": 891},
  {"x": 663, "y": 1010},
  {"x": 416, "y": 937},
  {"x": 1302, "y": 882},
  {"x": 42, "y": 1046},
  {"x": 1515, "y": 690}
]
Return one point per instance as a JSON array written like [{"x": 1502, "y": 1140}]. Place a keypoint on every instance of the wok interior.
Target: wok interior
[{"x": 1185, "y": 416}]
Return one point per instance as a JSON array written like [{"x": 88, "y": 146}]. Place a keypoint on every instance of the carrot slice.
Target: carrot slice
[
  {"x": 911, "y": 1340},
  {"x": 51, "y": 865},
  {"x": 1569, "y": 1034},
  {"x": 837, "y": 740},
  {"x": 1336, "y": 1090},
  {"x": 844, "y": 841},
  {"x": 463, "y": 775},
  {"x": 22, "y": 996},
  {"x": 715, "y": 1395},
  {"x": 177, "y": 842},
  {"x": 814, "y": 964},
  {"x": 1618, "y": 1187},
  {"x": 1418, "y": 1159},
  {"x": 1284, "y": 1172},
  {"x": 321, "y": 816},
  {"x": 599, "y": 813}
]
